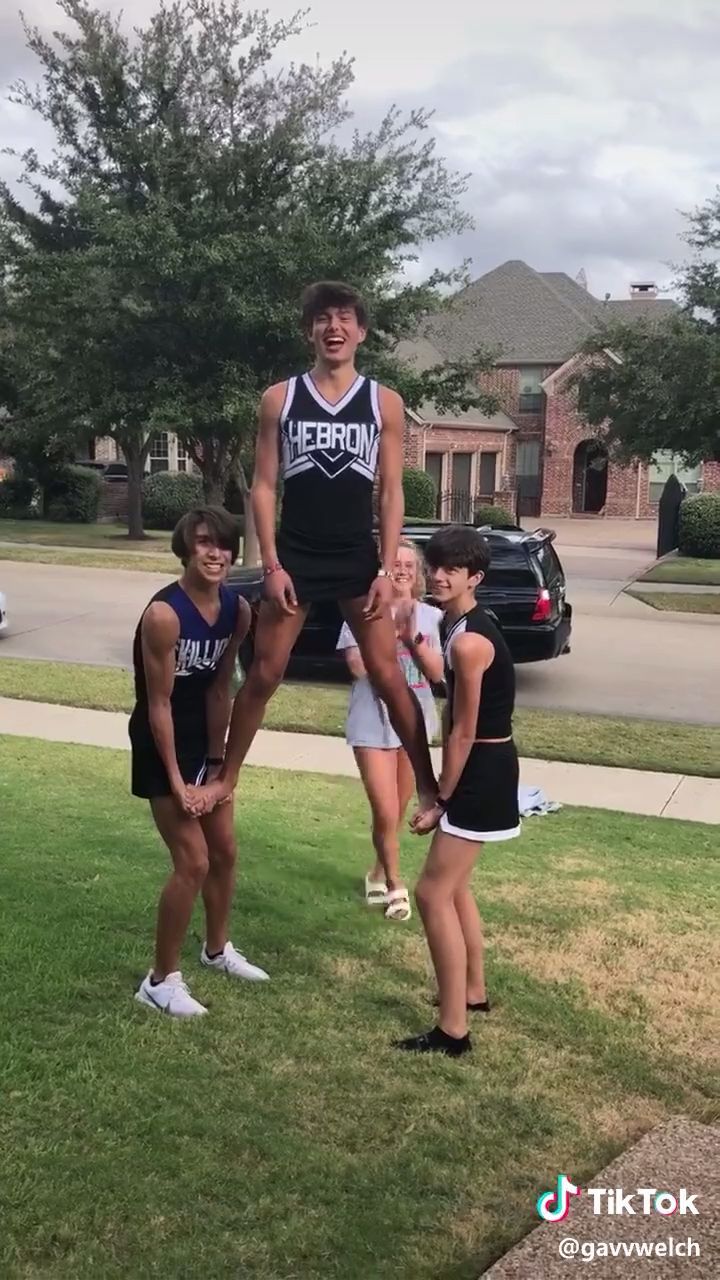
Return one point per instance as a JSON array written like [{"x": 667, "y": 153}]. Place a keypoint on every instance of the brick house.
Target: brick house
[{"x": 544, "y": 458}]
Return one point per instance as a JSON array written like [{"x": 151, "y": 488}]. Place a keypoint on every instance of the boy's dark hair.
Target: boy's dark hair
[
  {"x": 332, "y": 293},
  {"x": 223, "y": 528},
  {"x": 458, "y": 547}
]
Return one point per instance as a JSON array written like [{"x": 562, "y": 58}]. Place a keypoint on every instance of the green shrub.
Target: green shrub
[
  {"x": 73, "y": 496},
  {"x": 420, "y": 495},
  {"x": 168, "y": 495},
  {"x": 699, "y": 533},
  {"x": 496, "y": 517},
  {"x": 18, "y": 498}
]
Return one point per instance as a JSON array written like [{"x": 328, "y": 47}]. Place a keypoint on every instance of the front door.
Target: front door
[{"x": 461, "y": 497}]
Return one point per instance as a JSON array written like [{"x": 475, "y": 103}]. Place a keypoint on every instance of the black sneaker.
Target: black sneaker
[
  {"x": 480, "y": 1006},
  {"x": 435, "y": 1041}
]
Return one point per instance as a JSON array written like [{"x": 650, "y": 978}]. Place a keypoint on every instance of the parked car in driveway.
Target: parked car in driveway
[{"x": 524, "y": 589}]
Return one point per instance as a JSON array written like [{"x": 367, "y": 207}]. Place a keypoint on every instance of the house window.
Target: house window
[
  {"x": 159, "y": 453},
  {"x": 183, "y": 458},
  {"x": 530, "y": 390},
  {"x": 666, "y": 464},
  {"x": 434, "y": 468},
  {"x": 488, "y": 472}
]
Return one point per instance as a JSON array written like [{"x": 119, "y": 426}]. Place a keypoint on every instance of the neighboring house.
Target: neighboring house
[
  {"x": 166, "y": 453},
  {"x": 544, "y": 458}
]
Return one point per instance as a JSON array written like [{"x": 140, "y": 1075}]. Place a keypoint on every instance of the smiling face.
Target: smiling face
[
  {"x": 207, "y": 563},
  {"x": 336, "y": 335},
  {"x": 450, "y": 586},
  {"x": 405, "y": 573}
]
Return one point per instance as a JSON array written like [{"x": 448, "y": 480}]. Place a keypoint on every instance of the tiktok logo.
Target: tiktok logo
[{"x": 554, "y": 1206}]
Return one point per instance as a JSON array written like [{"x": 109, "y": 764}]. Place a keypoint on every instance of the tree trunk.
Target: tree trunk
[
  {"x": 134, "y": 455},
  {"x": 251, "y": 546},
  {"x": 214, "y": 467}
]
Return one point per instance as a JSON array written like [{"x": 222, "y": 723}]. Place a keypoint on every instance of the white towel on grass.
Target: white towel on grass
[{"x": 532, "y": 801}]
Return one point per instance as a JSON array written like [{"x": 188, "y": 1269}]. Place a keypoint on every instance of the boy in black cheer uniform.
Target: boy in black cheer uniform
[
  {"x": 328, "y": 433},
  {"x": 477, "y": 797}
]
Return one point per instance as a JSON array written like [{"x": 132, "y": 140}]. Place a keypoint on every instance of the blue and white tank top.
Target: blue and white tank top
[{"x": 198, "y": 651}]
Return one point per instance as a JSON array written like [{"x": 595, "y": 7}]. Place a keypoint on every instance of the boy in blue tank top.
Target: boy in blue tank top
[
  {"x": 328, "y": 433},
  {"x": 184, "y": 655}
]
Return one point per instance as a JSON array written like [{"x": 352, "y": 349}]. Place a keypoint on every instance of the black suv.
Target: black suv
[{"x": 524, "y": 590}]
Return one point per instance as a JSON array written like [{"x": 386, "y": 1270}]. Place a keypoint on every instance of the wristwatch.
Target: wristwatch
[
  {"x": 440, "y": 803},
  {"x": 384, "y": 573},
  {"x": 214, "y": 761},
  {"x": 418, "y": 639}
]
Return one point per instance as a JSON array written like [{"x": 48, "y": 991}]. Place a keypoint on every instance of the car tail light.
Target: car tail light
[{"x": 543, "y": 606}]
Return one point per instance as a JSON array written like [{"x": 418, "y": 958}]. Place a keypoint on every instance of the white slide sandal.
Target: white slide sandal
[
  {"x": 397, "y": 905},
  {"x": 375, "y": 892}
]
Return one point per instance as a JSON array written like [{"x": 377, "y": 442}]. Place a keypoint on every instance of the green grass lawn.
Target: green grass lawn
[
  {"x": 281, "y": 1137},
  {"x": 679, "y": 601},
  {"x": 110, "y": 537},
  {"x": 685, "y": 569},
  {"x": 314, "y": 708},
  {"x": 159, "y": 563}
]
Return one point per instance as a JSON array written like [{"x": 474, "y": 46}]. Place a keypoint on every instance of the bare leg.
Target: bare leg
[
  {"x": 219, "y": 830},
  {"x": 274, "y": 638},
  {"x": 184, "y": 838},
  {"x": 446, "y": 869},
  {"x": 471, "y": 926},
  {"x": 378, "y": 647},
  {"x": 405, "y": 783},
  {"x": 378, "y": 771}
]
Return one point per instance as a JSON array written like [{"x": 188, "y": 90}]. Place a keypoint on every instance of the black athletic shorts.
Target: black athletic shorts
[
  {"x": 484, "y": 805},
  {"x": 149, "y": 777},
  {"x": 332, "y": 573}
]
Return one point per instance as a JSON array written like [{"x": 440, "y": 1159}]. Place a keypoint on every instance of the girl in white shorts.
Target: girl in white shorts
[{"x": 384, "y": 767}]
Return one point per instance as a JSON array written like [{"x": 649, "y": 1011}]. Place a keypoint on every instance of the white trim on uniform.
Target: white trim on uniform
[
  {"x": 375, "y": 402},
  {"x": 480, "y": 837},
  {"x": 368, "y": 472},
  {"x": 289, "y": 393},
  {"x": 319, "y": 398},
  {"x": 456, "y": 629},
  {"x": 302, "y": 464}
]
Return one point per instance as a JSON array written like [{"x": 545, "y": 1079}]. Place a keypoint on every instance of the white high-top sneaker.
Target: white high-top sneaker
[
  {"x": 170, "y": 996},
  {"x": 232, "y": 962}
]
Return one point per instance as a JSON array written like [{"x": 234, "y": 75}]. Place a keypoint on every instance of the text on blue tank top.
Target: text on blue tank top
[
  {"x": 315, "y": 434},
  {"x": 200, "y": 646}
]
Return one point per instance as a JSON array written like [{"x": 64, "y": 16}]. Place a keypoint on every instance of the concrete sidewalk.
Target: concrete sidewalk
[
  {"x": 662, "y": 795},
  {"x": 680, "y": 1153}
]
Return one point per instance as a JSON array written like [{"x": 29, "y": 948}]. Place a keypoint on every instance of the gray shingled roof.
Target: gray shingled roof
[
  {"x": 424, "y": 355},
  {"x": 527, "y": 316}
]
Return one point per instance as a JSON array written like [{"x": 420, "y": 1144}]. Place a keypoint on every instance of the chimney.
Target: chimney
[{"x": 643, "y": 289}]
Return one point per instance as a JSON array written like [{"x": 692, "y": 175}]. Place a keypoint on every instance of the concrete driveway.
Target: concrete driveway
[{"x": 626, "y": 658}]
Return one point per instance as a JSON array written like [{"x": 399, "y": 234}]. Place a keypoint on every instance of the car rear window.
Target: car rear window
[
  {"x": 509, "y": 567},
  {"x": 550, "y": 565}
]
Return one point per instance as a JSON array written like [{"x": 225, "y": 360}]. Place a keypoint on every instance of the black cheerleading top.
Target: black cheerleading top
[
  {"x": 198, "y": 651},
  {"x": 328, "y": 460},
  {"x": 497, "y": 694}
]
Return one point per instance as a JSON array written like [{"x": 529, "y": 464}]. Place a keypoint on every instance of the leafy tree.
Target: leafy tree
[
  {"x": 202, "y": 188},
  {"x": 656, "y": 386}
]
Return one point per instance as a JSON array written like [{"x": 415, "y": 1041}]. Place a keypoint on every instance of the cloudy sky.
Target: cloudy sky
[{"x": 586, "y": 128}]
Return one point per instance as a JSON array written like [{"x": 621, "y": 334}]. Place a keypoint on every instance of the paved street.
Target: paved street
[{"x": 626, "y": 658}]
